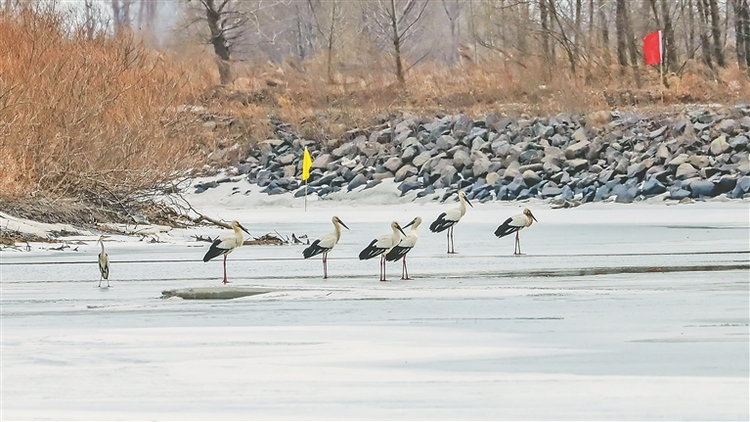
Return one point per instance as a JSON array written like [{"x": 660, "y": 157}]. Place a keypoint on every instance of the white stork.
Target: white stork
[
  {"x": 325, "y": 244},
  {"x": 514, "y": 225},
  {"x": 449, "y": 219},
  {"x": 103, "y": 262},
  {"x": 381, "y": 245},
  {"x": 225, "y": 244},
  {"x": 405, "y": 246}
]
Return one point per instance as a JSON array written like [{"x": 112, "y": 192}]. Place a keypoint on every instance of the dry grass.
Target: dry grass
[
  {"x": 103, "y": 119},
  {"x": 89, "y": 117}
]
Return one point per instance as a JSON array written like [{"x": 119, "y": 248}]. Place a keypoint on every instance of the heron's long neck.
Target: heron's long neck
[{"x": 102, "y": 244}]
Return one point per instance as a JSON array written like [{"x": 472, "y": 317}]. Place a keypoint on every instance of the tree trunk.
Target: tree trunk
[
  {"x": 620, "y": 22},
  {"x": 397, "y": 44},
  {"x": 716, "y": 33},
  {"x": 746, "y": 31},
  {"x": 632, "y": 48},
  {"x": 605, "y": 32},
  {"x": 219, "y": 41},
  {"x": 669, "y": 46},
  {"x": 705, "y": 44},
  {"x": 739, "y": 35},
  {"x": 545, "y": 31}
]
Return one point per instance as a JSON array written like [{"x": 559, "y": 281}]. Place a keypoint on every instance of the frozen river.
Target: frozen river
[{"x": 616, "y": 312}]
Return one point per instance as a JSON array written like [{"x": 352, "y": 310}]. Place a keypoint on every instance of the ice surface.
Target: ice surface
[{"x": 634, "y": 311}]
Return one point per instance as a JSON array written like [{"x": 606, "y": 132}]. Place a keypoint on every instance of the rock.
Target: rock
[
  {"x": 461, "y": 158},
  {"x": 420, "y": 159},
  {"x": 685, "y": 171},
  {"x": 550, "y": 190},
  {"x": 678, "y": 160},
  {"x": 627, "y": 195},
  {"x": 576, "y": 164},
  {"x": 382, "y": 176},
  {"x": 551, "y": 168},
  {"x": 662, "y": 152},
  {"x": 356, "y": 182},
  {"x": 322, "y": 161},
  {"x": 492, "y": 177},
  {"x": 409, "y": 185},
  {"x": 530, "y": 178},
  {"x": 370, "y": 149},
  {"x": 481, "y": 166},
  {"x": 448, "y": 175},
  {"x": 678, "y": 193},
  {"x": 720, "y": 145},
  {"x": 636, "y": 170},
  {"x": 393, "y": 164},
  {"x": 579, "y": 135},
  {"x": 725, "y": 184},
  {"x": 344, "y": 150},
  {"x": 445, "y": 142},
  {"x": 701, "y": 188},
  {"x": 739, "y": 142},
  {"x": 290, "y": 170},
  {"x": 404, "y": 172},
  {"x": 652, "y": 187},
  {"x": 744, "y": 183},
  {"x": 727, "y": 126},
  {"x": 429, "y": 190},
  {"x": 576, "y": 150}
]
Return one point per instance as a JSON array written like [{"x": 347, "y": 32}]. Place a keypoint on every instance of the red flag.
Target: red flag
[{"x": 652, "y": 49}]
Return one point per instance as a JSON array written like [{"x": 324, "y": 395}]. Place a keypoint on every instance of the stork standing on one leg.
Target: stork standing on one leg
[
  {"x": 449, "y": 219},
  {"x": 325, "y": 244},
  {"x": 225, "y": 244},
  {"x": 406, "y": 245},
  {"x": 514, "y": 225},
  {"x": 103, "y": 262},
  {"x": 381, "y": 245}
]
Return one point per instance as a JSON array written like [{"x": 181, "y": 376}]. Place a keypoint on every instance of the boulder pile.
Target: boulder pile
[{"x": 624, "y": 156}]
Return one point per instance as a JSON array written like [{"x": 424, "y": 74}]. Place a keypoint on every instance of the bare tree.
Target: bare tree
[
  {"x": 329, "y": 20},
  {"x": 397, "y": 21},
  {"x": 121, "y": 14},
  {"x": 453, "y": 10},
  {"x": 713, "y": 8}
]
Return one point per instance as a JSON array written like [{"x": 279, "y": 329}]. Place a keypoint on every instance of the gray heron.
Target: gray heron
[
  {"x": 103, "y": 262},
  {"x": 449, "y": 219},
  {"x": 406, "y": 245},
  {"x": 381, "y": 245},
  {"x": 325, "y": 244},
  {"x": 514, "y": 224},
  {"x": 225, "y": 244}
]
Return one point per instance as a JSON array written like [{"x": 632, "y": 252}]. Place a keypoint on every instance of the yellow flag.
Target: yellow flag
[{"x": 306, "y": 164}]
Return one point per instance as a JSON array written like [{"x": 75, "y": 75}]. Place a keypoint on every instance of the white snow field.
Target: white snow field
[{"x": 616, "y": 312}]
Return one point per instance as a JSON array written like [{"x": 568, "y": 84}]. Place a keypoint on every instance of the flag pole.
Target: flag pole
[
  {"x": 306, "y": 164},
  {"x": 305, "y": 195}
]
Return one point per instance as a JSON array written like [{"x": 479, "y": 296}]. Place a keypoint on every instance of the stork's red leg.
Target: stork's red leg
[
  {"x": 325, "y": 265},
  {"x": 225, "y": 270}
]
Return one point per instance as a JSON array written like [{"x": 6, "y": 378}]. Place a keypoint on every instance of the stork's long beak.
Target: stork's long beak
[
  {"x": 410, "y": 223},
  {"x": 342, "y": 223},
  {"x": 400, "y": 229},
  {"x": 532, "y": 216},
  {"x": 244, "y": 229},
  {"x": 469, "y": 202}
]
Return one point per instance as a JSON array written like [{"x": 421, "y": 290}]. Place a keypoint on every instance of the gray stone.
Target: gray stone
[
  {"x": 420, "y": 159},
  {"x": 286, "y": 159},
  {"x": 382, "y": 176},
  {"x": 679, "y": 160},
  {"x": 448, "y": 175},
  {"x": 445, "y": 142},
  {"x": 636, "y": 170},
  {"x": 627, "y": 195},
  {"x": 404, "y": 172},
  {"x": 290, "y": 170},
  {"x": 739, "y": 142},
  {"x": 553, "y": 153},
  {"x": 678, "y": 193},
  {"x": 393, "y": 164},
  {"x": 576, "y": 150},
  {"x": 531, "y": 178},
  {"x": 685, "y": 171},
  {"x": 727, "y": 126},
  {"x": 345, "y": 149},
  {"x": 492, "y": 177},
  {"x": 512, "y": 171},
  {"x": 576, "y": 164},
  {"x": 744, "y": 183},
  {"x": 460, "y": 159},
  {"x": 481, "y": 166},
  {"x": 515, "y": 186},
  {"x": 580, "y": 135},
  {"x": 551, "y": 168},
  {"x": 550, "y": 190},
  {"x": 662, "y": 152},
  {"x": 720, "y": 145},
  {"x": 322, "y": 161},
  {"x": 701, "y": 188},
  {"x": 652, "y": 187}
]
